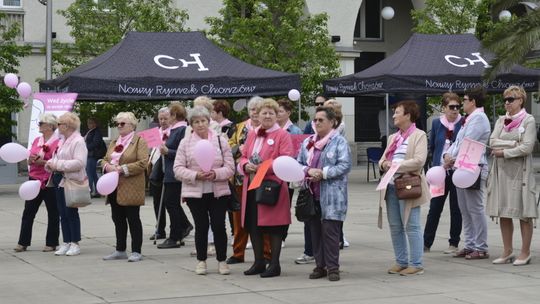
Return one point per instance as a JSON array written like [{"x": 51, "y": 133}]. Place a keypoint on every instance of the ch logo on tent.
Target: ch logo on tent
[
  {"x": 465, "y": 62},
  {"x": 158, "y": 59}
]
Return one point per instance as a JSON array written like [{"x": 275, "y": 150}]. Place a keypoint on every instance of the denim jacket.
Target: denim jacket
[{"x": 336, "y": 165}]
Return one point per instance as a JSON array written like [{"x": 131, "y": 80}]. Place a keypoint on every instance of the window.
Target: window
[
  {"x": 368, "y": 22},
  {"x": 10, "y": 3}
]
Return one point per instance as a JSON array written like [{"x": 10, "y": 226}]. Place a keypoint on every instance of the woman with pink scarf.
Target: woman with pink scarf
[
  {"x": 511, "y": 190},
  {"x": 443, "y": 133}
]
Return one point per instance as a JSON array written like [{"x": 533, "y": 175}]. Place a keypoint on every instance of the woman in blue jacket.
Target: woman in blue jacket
[
  {"x": 326, "y": 158},
  {"x": 443, "y": 133}
]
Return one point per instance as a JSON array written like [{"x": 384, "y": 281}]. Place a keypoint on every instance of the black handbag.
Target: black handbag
[
  {"x": 268, "y": 193},
  {"x": 306, "y": 208},
  {"x": 233, "y": 202}
]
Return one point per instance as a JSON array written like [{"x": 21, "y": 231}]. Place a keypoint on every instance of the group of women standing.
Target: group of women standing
[{"x": 509, "y": 183}]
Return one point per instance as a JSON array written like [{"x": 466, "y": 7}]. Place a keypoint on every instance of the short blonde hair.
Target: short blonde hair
[
  {"x": 336, "y": 105},
  {"x": 71, "y": 120},
  {"x": 129, "y": 116},
  {"x": 177, "y": 110},
  {"x": 517, "y": 91},
  {"x": 204, "y": 101},
  {"x": 268, "y": 103},
  {"x": 50, "y": 119}
]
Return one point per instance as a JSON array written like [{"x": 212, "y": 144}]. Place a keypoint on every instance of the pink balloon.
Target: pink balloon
[
  {"x": 29, "y": 190},
  {"x": 13, "y": 153},
  {"x": 464, "y": 178},
  {"x": 11, "y": 80},
  {"x": 288, "y": 169},
  {"x": 204, "y": 153},
  {"x": 436, "y": 175},
  {"x": 107, "y": 183},
  {"x": 24, "y": 90}
]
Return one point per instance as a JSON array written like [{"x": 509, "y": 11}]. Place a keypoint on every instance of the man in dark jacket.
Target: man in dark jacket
[{"x": 96, "y": 150}]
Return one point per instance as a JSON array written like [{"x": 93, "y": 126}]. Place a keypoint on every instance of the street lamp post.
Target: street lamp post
[{"x": 48, "y": 39}]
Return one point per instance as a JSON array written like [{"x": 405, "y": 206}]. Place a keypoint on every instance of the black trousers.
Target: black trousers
[
  {"x": 123, "y": 216},
  {"x": 177, "y": 217},
  {"x": 209, "y": 211},
  {"x": 30, "y": 210},
  {"x": 435, "y": 209},
  {"x": 156, "y": 195}
]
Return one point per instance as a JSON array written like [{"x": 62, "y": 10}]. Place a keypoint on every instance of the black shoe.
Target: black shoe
[
  {"x": 272, "y": 271},
  {"x": 186, "y": 232},
  {"x": 333, "y": 275},
  {"x": 256, "y": 268},
  {"x": 234, "y": 260},
  {"x": 318, "y": 273},
  {"x": 159, "y": 236},
  {"x": 170, "y": 243}
]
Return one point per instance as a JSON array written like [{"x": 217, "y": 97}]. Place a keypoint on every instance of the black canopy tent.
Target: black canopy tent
[
  {"x": 432, "y": 64},
  {"x": 168, "y": 66}
]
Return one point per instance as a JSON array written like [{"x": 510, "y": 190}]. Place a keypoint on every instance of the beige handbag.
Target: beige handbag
[{"x": 77, "y": 193}]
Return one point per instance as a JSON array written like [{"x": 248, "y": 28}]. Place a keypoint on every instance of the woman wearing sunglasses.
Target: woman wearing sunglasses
[
  {"x": 128, "y": 156},
  {"x": 511, "y": 185},
  {"x": 443, "y": 133}
]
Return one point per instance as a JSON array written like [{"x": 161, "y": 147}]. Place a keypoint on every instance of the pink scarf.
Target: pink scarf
[
  {"x": 449, "y": 125},
  {"x": 224, "y": 122},
  {"x": 259, "y": 141},
  {"x": 516, "y": 120},
  {"x": 478, "y": 110},
  {"x": 178, "y": 125},
  {"x": 317, "y": 143},
  {"x": 124, "y": 141},
  {"x": 287, "y": 125},
  {"x": 398, "y": 140}
]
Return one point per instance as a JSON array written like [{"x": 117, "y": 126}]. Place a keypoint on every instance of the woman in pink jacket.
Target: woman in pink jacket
[
  {"x": 206, "y": 192},
  {"x": 268, "y": 141},
  {"x": 69, "y": 161}
]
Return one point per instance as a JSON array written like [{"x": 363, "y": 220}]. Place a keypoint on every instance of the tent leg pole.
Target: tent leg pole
[{"x": 386, "y": 99}]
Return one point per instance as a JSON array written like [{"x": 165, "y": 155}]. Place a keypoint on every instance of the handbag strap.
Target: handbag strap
[{"x": 221, "y": 150}]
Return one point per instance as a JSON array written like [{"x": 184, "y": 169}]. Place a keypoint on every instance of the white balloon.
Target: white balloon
[
  {"x": 29, "y": 190},
  {"x": 464, "y": 178},
  {"x": 387, "y": 13},
  {"x": 239, "y": 105},
  {"x": 294, "y": 95},
  {"x": 505, "y": 15},
  {"x": 288, "y": 169},
  {"x": 13, "y": 153}
]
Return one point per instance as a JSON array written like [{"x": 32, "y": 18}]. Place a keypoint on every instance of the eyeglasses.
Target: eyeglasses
[
  {"x": 454, "y": 107},
  {"x": 61, "y": 123},
  {"x": 41, "y": 123},
  {"x": 120, "y": 124},
  {"x": 510, "y": 99}
]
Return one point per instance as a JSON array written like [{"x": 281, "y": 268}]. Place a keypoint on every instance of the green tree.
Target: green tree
[
  {"x": 10, "y": 54},
  {"x": 445, "y": 17},
  {"x": 98, "y": 25},
  {"x": 278, "y": 35},
  {"x": 511, "y": 41}
]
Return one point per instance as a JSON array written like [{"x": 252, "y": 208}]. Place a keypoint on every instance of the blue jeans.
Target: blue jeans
[
  {"x": 410, "y": 235},
  {"x": 91, "y": 165},
  {"x": 69, "y": 217}
]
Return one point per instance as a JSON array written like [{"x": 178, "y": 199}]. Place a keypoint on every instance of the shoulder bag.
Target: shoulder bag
[
  {"x": 408, "y": 186},
  {"x": 77, "y": 193},
  {"x": 306, "y": 208},
  {"x": 268, "y": 192}
]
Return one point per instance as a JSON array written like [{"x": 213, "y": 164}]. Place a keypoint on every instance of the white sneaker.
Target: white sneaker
[
  {"x": 63, "y": 249},
  {"x": 193, "y": 253},
  {"x": 282, "y": 244},
  {"x": 304, "y": 259},
  {"x": 74, "y": 249},
  {"x": 135, "y": 257},
  {"x": 116, "y": 255},
  {"x": 249, "y": 246},
  {"x": 451, "y": 249},
  {"x": 223, "y": 268},
  {"x": 200, "y": 268},
  {"x": 345, "y": 242}
]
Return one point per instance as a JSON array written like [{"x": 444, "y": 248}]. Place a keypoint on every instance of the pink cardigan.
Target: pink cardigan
[
  {"x": 71, "y": 157},
  {"x": 281, "y": 145},
  {"x": 185, "y": 167}
]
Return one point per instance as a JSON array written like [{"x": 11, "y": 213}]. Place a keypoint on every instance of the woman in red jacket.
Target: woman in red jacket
[{"x": 268, "y": 141}]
